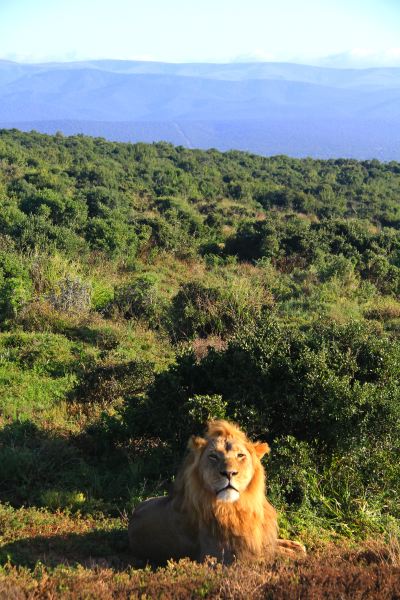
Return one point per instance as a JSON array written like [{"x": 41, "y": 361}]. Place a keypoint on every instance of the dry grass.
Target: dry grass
[
  {"x": 316, "y": 578},
  {"x": 201, "y": 346},
  {"x": 384, "y": 311},
  {"x": 60, "y": 556}
]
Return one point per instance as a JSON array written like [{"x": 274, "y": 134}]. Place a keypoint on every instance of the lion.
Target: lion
[{"x": 217, "y": 508}]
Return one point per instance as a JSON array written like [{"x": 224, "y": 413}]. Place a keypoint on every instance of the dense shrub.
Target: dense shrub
[
  {"x": 196, "y": 310},
  {"x": 61, "y": 209},
  {"x": 339, "y": 380},
  {"x": 139, "y": 299},
  {"x": 72, "y": 295},
  {"x": 350, "y": 490},
  {"x": 106, "y": 384},
  {"x": 15, "y": 286},
  {"x": 201, "y": 310},
  {"x": 112, "y": 235},
  {"x": 326, "y": 398}
]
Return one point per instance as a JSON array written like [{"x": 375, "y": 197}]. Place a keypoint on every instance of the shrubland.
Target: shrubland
[{"x": 147, "y": 288}]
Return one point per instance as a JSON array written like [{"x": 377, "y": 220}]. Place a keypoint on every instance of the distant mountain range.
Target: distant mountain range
[{"x": 268, "y": 108}]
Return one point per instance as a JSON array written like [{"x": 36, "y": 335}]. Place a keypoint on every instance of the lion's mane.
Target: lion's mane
[
  {"x": 194, "y": 522},
  {"x": 249, "y": 525}
]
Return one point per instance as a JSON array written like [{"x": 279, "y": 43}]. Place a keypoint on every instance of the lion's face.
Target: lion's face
[{"x": 227, "y": 467}]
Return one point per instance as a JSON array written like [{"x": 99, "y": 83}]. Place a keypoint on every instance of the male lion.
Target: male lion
[{"x": 218, "y": 506}]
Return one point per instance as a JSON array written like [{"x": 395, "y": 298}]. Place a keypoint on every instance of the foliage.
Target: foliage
[
  {"x": 72, "y": 296},
  {"x": 15, "y": 286},
  {"x": 104, "y": 384},
  {"x": 139, "y": 299},
  {"x": 200, "y": 310},
  {"x": 120, "y": 262}
]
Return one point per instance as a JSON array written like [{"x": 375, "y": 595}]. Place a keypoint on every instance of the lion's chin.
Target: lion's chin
[{"x": 228, "y": 495}]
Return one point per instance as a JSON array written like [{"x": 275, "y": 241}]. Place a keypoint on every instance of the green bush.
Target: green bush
[
  {"x": 203, "y": 310},
  {"x": 339, "y": 380},
  {"x": 106, "y": 384},
  {"x": 102, "y": 295},
  {"x": 348, "y": 491},
  {"x": 291, "y": 473},
  {"x": 15, "y": 286},
  {"x": 326, "y": 398},
  {"x": 61, "y": 209},
  {"x": 139, "y": 299},
  {"x": 196, "y": 310},
  {"x": 112, "y": 236}
]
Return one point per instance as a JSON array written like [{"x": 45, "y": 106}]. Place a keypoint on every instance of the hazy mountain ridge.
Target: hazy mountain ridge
[
  {"x": 384, "y": 76},
  {"x": 319, "y": 111}
]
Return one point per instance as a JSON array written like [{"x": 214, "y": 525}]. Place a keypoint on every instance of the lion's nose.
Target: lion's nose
[{"x": 229, "y": 474}]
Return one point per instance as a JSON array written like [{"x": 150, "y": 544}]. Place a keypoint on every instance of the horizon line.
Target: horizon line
[{"x": 198, "y": 62}]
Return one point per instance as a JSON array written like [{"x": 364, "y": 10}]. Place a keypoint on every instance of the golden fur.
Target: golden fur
[{"x": 218, "y": 506}]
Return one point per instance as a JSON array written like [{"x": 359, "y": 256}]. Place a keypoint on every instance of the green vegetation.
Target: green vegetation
[{"x": 146, "y": 288}]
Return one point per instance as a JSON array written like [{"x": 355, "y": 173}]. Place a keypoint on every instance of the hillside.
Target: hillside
[
  {"x": 269, "y": 108},
  {"x": 147, "y": 288}
]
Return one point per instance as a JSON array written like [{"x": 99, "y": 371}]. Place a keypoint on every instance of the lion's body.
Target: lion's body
[
  {"x": 157, "y": 532},
  {"x": 218, "y": 507}
]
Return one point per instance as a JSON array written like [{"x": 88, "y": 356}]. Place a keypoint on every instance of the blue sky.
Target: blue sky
[{"x": 349, "y": 32}]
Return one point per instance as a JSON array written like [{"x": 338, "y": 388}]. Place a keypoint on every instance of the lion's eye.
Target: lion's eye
[
  {"x": 212, "y": 457},
  {"x": 240, "y": 455}
]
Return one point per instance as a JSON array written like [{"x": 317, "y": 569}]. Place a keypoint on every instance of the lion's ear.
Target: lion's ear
[
  {"x": 196, "y": 442},
  {"x": 261, "y": 448}
]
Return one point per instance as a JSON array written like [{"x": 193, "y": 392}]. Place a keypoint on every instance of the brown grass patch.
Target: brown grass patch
[
  {"x": 371, "y": 571},
  {"x": 384, "y": 311},
  {"x": 201, "y": 346}
]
